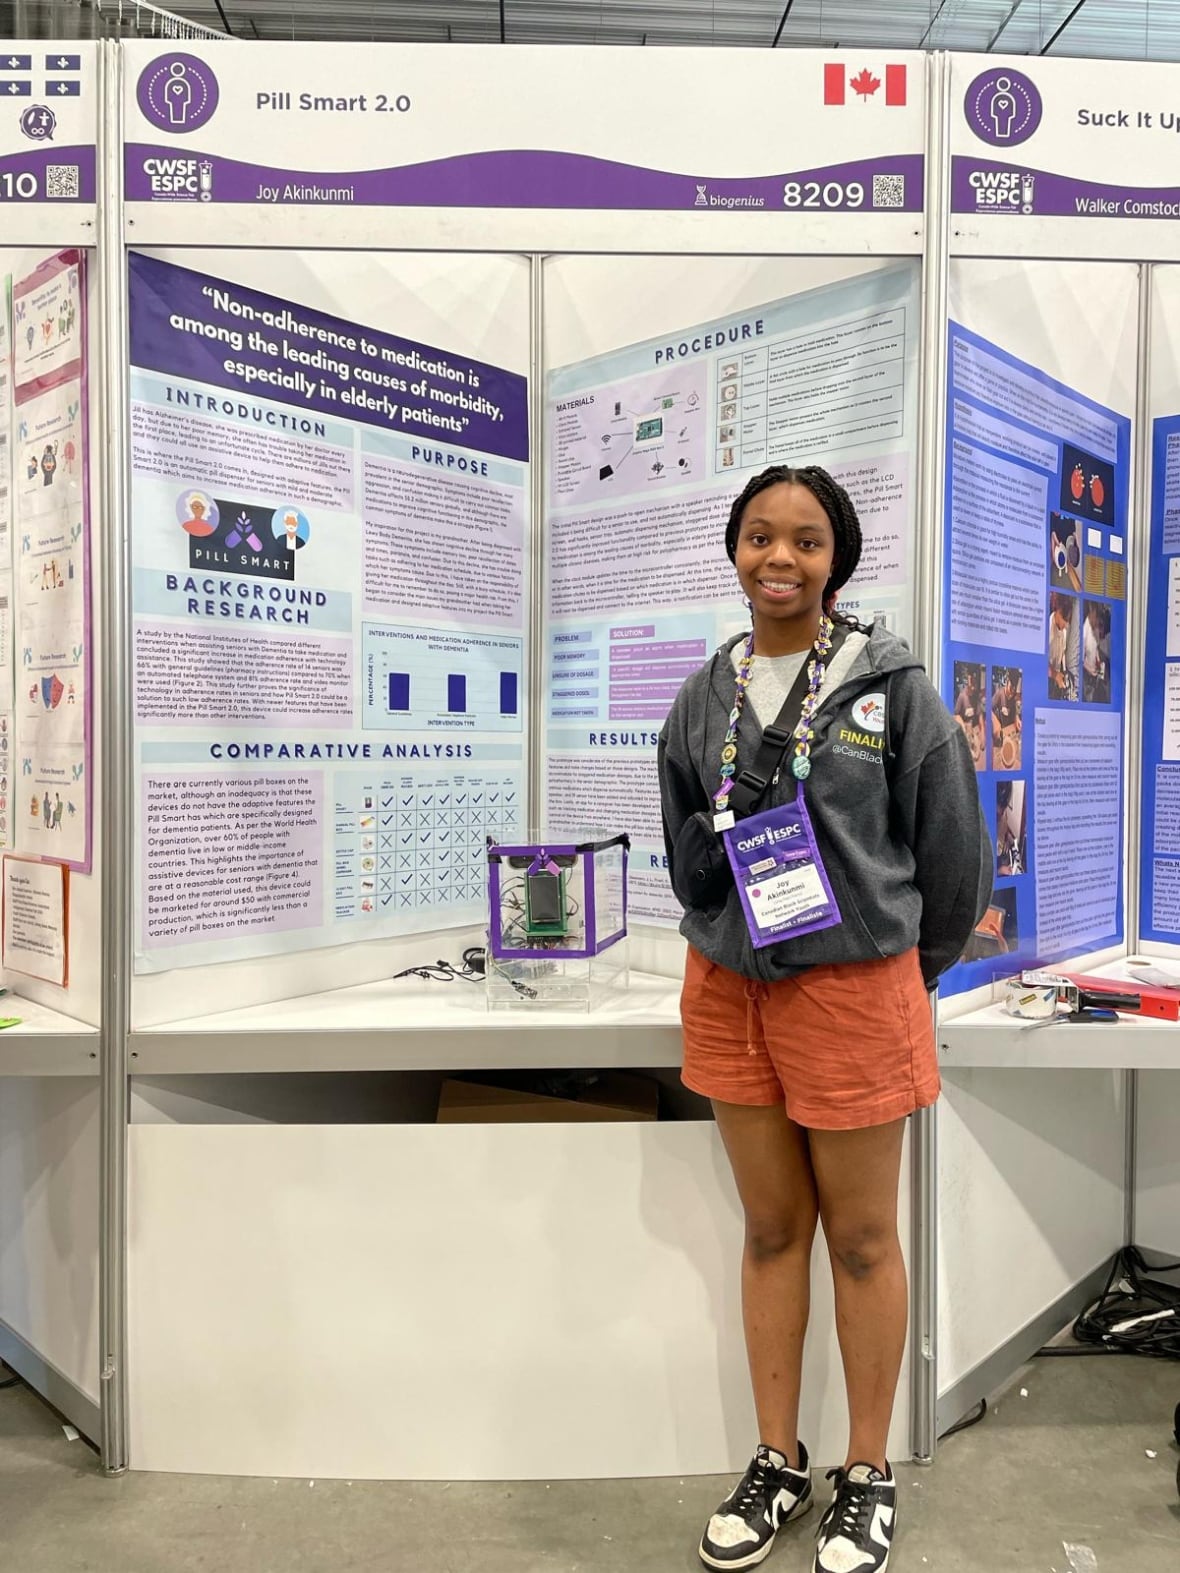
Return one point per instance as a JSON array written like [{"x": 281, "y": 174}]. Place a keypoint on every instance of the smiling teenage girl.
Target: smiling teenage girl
[{"x": 816, "y": 922}]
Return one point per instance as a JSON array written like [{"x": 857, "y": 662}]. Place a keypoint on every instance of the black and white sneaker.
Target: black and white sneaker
[
  {"x": 741, "y": 1532},
  {"x": 857, "y": 1530}
]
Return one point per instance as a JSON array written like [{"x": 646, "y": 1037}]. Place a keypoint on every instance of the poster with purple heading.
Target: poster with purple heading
[
  {"x": 329, "y": 550},
  {"x": 49, "y": 790},
  {"x": 1035, "y": 650},
  {"x": 647, "y": 446}
]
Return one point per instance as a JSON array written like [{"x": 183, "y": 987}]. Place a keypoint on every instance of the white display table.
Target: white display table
[
  {"x": 409, "y": 1024},
  {"x": 46, "y": 1043}
]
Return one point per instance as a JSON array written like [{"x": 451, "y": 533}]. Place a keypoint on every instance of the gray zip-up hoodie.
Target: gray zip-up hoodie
[{"x": 893, "y": 801}]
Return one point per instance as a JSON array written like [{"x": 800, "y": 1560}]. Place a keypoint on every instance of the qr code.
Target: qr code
[
  {"x": 889, "y": 191},
  {"x": 61, "y": 180}
]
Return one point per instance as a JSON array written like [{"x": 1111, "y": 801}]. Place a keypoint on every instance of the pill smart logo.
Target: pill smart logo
[
  {"x": 177, "y": 93},
  {"x": 242, "y": 538},
  {"x": 1003, "y": 107}
]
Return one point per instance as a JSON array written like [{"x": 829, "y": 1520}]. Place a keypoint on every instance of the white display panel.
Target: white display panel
[
  {"x": 1063, "y": 158},
  {"x": 526, "y": 148},
  {"x": 752, "y": 362},
  {"x": 49, "y": 104},
  {"x": 395, "y": 485},
  {"x": 49, "y": 1206},
  {"x": 1030, "y": 1200},
  {"x": 542, "y": 1273},
  {"x": 1157, "y": 1201}
]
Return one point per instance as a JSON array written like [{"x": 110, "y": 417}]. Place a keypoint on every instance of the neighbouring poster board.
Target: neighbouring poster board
[
  {"x": 1034, "y": 667},
  {"x": 36, "y": 900},
  {"x": 1160, "y": 863},
  {"x": 647, "y": 446},
  {"x": 51, "y": 782},
  {"x": 7, "y": 683},
  {"x": 330, "y": 616}
]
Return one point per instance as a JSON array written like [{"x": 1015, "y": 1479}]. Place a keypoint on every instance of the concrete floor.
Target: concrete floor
[{"x": 1067, "y": 1463}]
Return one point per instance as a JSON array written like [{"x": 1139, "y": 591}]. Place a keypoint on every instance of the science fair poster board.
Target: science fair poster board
[
  {"x": 48, "y": 790},
  {"x": 48, "y": 119},
  {"x": 7, "y": 480},
  {"x": 1064, "y": 158},
  {"x": 1160, "y": 873},
  {"x": 526, "y": 148},
  {"x": 1159, "y": 920},
  {"x": 1035, "y": 649},
  {"x": 646, "y": 447},
  {"x": 329, "y": 550}
]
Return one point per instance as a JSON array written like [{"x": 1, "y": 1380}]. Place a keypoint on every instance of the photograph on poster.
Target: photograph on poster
[
  {"x": 1007, "y": 717},
  {"x": 969, "y": 706},
  {"x": 1011, "y": 828},
  {"x": 1064, "y": 646},
  {"x": 1096, "y": 624},
  {"x": 1087, "y": 485},
  {"x": 1025, "y": 540},
  {"x": 329, "y": 624},
  {"x": 640, "y": 590},
  {"x": 998, "y": 932},
  {"x": 1065, "y": 553}
]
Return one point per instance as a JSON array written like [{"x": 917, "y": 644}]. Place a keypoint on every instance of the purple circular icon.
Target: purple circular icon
[
  {"x": 1003, "y": 107},
  {"x": 177, "y": 93}
]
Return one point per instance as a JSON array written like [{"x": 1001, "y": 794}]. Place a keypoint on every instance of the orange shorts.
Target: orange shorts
[{"x": 842, "y": 1046}]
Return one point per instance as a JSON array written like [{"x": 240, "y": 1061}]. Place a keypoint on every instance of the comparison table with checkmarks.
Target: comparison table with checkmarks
[{"x": 409, "y": 843}]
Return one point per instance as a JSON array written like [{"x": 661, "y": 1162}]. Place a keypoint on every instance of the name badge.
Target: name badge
[{"x": 780, "y": 875}]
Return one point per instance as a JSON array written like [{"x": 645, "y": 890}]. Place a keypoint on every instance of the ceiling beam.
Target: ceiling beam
[
  {"x": 1063, "y": 27},
  {"x": 782, "y": 22},
  {"x": 930, "y": 27},
  {"x": 224, "y": 18},
  {"x": 995, "y": 38},
  {"x": 502, "y": 27}
]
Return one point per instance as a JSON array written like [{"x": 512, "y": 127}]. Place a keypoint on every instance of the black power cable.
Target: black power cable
[
  {"x": 971, "y": 1419},
  {"x": 1135, "y": 1314},
  {"x": 472, "y": 970}
]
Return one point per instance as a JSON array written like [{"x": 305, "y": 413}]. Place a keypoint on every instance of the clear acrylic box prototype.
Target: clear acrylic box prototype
[{"x": 557, "y": 929}]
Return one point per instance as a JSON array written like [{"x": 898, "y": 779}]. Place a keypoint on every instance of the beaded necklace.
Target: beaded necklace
[{"x": 801, "y": 763}]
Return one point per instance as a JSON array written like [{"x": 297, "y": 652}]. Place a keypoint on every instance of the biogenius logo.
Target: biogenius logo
[
  {"x": 179, "y": 179},
  {"x": 1003, "y": 190}
]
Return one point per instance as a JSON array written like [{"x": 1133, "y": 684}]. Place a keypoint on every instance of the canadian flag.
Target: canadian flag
[{"x": 838, "y": 80}]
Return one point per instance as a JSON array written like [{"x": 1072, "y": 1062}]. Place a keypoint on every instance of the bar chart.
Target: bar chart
[{"x": 427, "y": 678}]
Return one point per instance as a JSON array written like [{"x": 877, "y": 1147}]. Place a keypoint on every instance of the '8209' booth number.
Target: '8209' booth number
[{"x": 817, "y": 194}]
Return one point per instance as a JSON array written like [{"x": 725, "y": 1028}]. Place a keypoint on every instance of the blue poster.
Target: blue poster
[
  {"x": 1160, "y": 870},
  {"x": 1034, "y": 650}
]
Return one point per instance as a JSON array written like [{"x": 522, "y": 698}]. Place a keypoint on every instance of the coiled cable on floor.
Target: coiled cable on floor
[{"x": 1136, "y": 1314}]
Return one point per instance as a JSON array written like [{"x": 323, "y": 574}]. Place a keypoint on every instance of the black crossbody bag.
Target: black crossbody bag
[{"x": 701, "y": 875}]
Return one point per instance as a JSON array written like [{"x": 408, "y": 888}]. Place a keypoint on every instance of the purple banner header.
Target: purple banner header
[
  {"x": 187, "y": 324},
  {"x": 48, "y": 174},
  {"x": 526, "y": 179},
  {"x": 982, "y": 186}
]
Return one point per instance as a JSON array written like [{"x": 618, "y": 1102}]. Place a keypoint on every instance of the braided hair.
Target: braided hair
[{"x": 834, "y": 501}]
